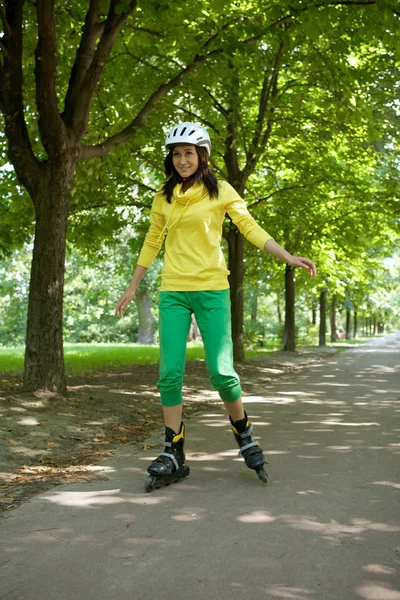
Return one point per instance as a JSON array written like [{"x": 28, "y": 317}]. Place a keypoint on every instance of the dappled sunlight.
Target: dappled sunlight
[
  {"x": 329, "y": 402},
  {"x": 329, "y": 384},
  {"x": 131, "y": 470},
  {"x": 86, "y": 386},
  {"x": 124, "y": 392},
  {"x": 334, "y": 529},
  {"x": 387, "y": 483},
  {"x": 339, "y": 448},
  {"x": 203, "y": 456},
  {"x": 342, "y": 424},
  {"x": 211, "y": 415},
  {"x": 307, "y": 492},
  {"x": 220, "y": 423},
  {"x": 29, "y": 421},
  {"x": 102, "y": 498},
  {"x": 377, "y": 591},
  {"x": 309, "y": 457},
  {"x": 288, "y": 593},
  {"x": 28, "y": 451},
  {"x": 269, "y": 399},
  {"x": 319, "y": 430},
  {"x": 379, "y": 570},
  {"x": 216, "y": 469},
  {"x": 296, "y": 393},
  {"x": 256, "y": 517},
  {"x": 187, "y": 515}
]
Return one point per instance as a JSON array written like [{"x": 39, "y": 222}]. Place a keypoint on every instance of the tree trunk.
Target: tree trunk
[
  {"x": 333, "y": 320},
  {"x": 289, "y": 335},
  {"x": 278, "y": 305},
  {"x": 145, "y": 334},
  {"x": 374, "y": 325},
  {"x": 322, "y": 318},
  {"x": 236, "y": 255},
  {"x": 314, "y": 315},
  {"x": 355, "y": 324},
  {"x": 254, "y": 307},
  {"x": 348, "y": 322},
  {"x": 44, "y": 360}
]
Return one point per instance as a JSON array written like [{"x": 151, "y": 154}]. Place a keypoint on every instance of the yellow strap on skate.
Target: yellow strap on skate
[
  {"x": 236, "y": 431},
  {"x": 179, "y": 436}
]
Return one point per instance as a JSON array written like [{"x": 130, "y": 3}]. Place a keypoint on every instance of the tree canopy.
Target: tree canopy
[{"x": 300, "y": 98}]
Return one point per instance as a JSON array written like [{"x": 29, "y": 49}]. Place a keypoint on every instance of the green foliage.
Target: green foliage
[
  {"x": 326, "y": 182},
  {"x": 14, "y": 283}
]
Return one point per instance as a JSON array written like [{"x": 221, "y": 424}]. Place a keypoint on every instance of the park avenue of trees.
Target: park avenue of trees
[{"x": 300, "y": 99}]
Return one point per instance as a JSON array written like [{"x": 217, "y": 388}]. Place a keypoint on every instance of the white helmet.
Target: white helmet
[{"x": 188, "y": 133}]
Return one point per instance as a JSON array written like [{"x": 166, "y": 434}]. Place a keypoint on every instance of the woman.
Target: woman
[{"x": 190, "y": 209}]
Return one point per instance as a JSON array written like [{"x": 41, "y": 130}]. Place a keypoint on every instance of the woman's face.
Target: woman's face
[{"x": 185, "y": 160}]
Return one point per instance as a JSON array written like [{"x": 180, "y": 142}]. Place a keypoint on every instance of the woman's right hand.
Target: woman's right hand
[{"x": 124, "y": 301}]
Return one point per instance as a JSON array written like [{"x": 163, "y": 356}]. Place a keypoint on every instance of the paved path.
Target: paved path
[{"x": 326, "y": 527}]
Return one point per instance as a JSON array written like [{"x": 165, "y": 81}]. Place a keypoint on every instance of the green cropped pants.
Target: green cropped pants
[{"x": 213, "y": 315}]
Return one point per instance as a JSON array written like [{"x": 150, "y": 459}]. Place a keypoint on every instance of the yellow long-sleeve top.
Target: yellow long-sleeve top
[{"x": 194, "y": 260}]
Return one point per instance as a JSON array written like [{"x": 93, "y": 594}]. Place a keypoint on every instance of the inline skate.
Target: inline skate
[
  {"x": 248, "y": 447},
  {"x": 170, "y": 466}
]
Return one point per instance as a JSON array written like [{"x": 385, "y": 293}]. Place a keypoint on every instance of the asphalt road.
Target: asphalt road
[{"x": 325, "y": 527}]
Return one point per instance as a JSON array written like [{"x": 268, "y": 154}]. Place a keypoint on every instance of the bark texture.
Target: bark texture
[
  {"x": 44, "y": 360},
  {"x": 236, "y": 277},
  {"x": 348, "y": 324},
  {"x": 289, "y": 335},
  {"x": 355, "y": 324},
  {"x": 322, "y": 318},
  {"x": 333, "y": 319}
]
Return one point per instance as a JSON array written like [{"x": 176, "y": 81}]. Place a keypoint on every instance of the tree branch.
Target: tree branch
[
  {"x": 269, "y": 90},
  {"x": 20, "y": 153},
  {"x": 286, "y": 189},
  {"x": 92, "y": 29},
  {"x": 296, "y": 11},
  {"x": 221, "y": 109},
  {"x": 51, "y": 126},
  {"x": 142, "y": 60},
  {"x": 6, "y": 26},
  {"x": 154, "y": 165},
  {"x": 129, "y": 131},
  {"x": 3, "y": 48},
  {"x": 140, "y": 184},
  {"x": 231, "y": 158},
  {"x": 146, "y": 30},
  {"x": 199, "y": 118},
  {"x": 77, "y": 113}
]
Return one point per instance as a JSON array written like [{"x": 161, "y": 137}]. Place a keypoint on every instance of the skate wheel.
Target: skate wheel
[
  {"x": 262, "y": 474},
  {"x": 148, "y": 484}
]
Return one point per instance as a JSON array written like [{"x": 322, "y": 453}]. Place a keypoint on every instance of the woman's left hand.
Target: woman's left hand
[{"x": 303, "y": 263}]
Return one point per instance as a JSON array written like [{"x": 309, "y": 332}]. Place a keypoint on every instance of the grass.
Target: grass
[{"x": 90, "y": 357}]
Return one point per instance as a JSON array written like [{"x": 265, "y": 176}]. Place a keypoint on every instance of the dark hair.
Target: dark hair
[{"x": 203, "y": 174}]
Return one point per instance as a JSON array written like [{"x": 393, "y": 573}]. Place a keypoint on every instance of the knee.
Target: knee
[
  {"x": 171, "y": 379},
  {"x": 227, "y": 386}
]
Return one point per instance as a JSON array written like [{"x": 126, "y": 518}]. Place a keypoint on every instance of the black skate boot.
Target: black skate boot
[
  {"x": 170, "y": 466},
  {"x": 249, "y": 448}
]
